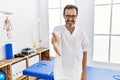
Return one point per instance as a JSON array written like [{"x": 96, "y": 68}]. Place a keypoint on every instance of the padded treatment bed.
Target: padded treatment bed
[
  {"x": 94, "y": 73},
  {"x": 42, "y": 70}
]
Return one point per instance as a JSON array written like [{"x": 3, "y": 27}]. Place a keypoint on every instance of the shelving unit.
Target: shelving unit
[{"x": 7, "y": 65}]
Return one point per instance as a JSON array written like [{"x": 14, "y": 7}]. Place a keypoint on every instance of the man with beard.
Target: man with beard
[{"x": 70, "y": 44}]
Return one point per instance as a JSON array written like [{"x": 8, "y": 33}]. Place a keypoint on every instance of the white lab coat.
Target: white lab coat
[{"x": 69, "y": 65}]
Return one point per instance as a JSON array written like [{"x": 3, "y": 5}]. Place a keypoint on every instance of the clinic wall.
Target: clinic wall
[
  {"x": 26, "y": 14},
  {"x": 86, "y": 22},
  {"x": 43, "y": 15}
]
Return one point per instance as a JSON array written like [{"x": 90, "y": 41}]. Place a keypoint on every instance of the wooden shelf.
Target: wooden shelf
[{"x": 5, "y": 64}]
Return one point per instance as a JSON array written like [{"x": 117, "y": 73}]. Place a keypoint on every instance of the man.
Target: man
[{"x": 71, "y": 45}]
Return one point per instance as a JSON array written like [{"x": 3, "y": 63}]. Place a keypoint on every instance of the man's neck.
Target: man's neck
[{"x": 70, "y": 28}]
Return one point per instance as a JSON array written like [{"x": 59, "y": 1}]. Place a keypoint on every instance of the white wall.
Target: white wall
[
  {"x": 25, "y": 23},
  {"x": 43, "y": 15},
  {"x": 86, "y": 22}
]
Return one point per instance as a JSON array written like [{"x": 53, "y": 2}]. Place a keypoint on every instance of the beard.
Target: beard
[{"x": 70, "y": 23}]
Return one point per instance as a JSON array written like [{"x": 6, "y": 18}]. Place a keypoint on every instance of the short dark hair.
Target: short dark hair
[{"x": 70, "y": 7}]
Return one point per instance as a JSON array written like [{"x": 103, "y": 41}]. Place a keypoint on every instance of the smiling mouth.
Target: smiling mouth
[{"x": 70, "y": 22}]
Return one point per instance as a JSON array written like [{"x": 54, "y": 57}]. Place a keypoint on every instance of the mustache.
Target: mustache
[{"x": 70, "y": 21}]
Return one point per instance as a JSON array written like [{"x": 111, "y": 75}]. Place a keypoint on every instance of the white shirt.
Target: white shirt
[{"x": 68, "y": 66}]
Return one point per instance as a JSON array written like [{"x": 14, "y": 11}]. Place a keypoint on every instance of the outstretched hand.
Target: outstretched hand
[{"x": 55, "y": 42}]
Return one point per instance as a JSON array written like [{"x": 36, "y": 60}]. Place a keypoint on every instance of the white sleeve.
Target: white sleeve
[
  {"x": 85, "y": 43},
  {"x": 57, "y": 31}
]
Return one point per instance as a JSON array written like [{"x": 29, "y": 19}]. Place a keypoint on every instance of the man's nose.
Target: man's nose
[{"x": 70, "y": 18}]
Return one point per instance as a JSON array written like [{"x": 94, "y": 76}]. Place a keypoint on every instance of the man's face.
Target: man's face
[{"x": 70, "y": 17}]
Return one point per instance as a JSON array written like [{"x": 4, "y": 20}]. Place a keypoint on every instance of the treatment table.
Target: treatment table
[
  {"x": 94, "y": 73},
  {"x": 44, "y": 70}
]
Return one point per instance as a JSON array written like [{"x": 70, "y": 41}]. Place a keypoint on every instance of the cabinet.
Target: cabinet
[
  {"x": 13, "y": 67},
  {"x": 33, "y": 59},
  {"x": 17, "y": 68}
]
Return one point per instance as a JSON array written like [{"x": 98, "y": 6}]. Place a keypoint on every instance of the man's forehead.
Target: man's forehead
[{"x": 70, "y": 11}]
